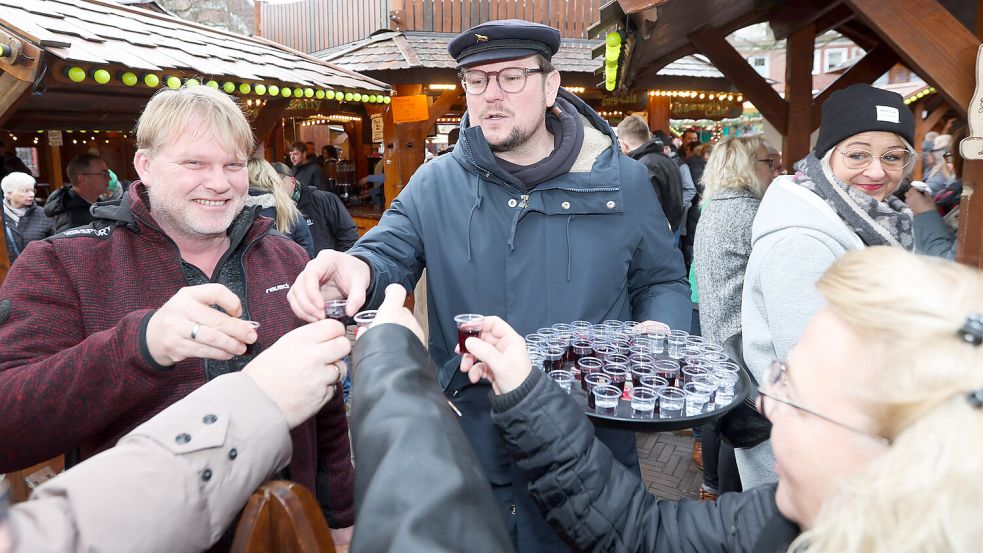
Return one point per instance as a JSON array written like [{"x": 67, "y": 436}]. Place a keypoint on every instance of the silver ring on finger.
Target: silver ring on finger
[{"x": 194, "y": 331}]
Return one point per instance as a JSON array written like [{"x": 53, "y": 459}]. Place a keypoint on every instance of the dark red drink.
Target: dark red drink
[
  {"x": 553, "y": 359},
  {"x": 618, "y": 376},
  {"x": 335, "y": 309},
  {"x": 463, "y": 334}
]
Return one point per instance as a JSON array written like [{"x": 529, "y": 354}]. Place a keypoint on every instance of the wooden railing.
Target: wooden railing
[{"x": 315, "y": 25}]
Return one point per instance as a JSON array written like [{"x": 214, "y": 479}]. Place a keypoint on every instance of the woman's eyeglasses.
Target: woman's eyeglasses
[
  {"x": 775, "y": 378},
  {"x": 892, "y": 160}
]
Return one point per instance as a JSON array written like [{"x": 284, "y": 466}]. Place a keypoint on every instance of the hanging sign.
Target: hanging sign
[
  {"x": 692, "y": 108},
  {"x": 410, "y": 109},
  {"x": 376, "y": 128},
  {"x": 54, "y": 138}
]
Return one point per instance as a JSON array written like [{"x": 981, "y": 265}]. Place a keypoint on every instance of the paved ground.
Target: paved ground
[{"x": 666, "y": 461}]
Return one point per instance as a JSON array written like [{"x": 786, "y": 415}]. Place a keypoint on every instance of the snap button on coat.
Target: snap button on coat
[
  {"x": 513, "y": 202},
  {"x": 233, "y": 453},
  {"x": 209, "y": 419},
  {"x": 206, "y": 475},
  {"x": 611, "y": 204},
  {"x": 565, "y": 205}
]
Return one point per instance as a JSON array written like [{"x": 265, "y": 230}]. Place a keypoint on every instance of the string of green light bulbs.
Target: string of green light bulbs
[{"x": 78, "y": 74}]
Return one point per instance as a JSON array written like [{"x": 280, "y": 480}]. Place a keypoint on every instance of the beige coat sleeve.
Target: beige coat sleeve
[{"x": 173, "y": 484}]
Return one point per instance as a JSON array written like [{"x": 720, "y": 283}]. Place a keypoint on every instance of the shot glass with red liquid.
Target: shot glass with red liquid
[
  {"x": 468, "y": 325},
  {"x": 618, "y": 373},
  {"x": 592, "y": 381},
  {"x": 553, "y": 359},
  {"x": 586, "y": 366},
  {"x": 668, "y": 369},
  {"x": 335, "y": 309}
]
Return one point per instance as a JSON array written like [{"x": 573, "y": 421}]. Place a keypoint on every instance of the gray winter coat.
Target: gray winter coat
[
  {"x": 796, "y": 236},
  {"x": 720, "y": 254},
  {"x": 601, "y": 507},
  {"x": 590, "y": 244}
]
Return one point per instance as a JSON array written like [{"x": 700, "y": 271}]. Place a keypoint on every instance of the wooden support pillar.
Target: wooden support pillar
[
  {"x": 798, "y": 92},
  {"x": 56, "y": 177},
  {"x": 969, "y": 248},
  {"x": 269, "y": 116},
  {"x": 659, "y": 108},
  {"x": 403, "y": 149}
]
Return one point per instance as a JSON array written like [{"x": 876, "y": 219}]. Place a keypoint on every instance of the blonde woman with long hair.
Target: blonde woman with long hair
[
  {"x": 876, "y": 416},
  {"x": 734, "y": 180},
  {"x": 266, "y": 190}
]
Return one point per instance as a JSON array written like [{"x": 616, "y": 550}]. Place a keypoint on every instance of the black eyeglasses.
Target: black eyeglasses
[
  {"x": 510, "y": 79},
  {"x": 99, "y": 174},
  {"x": 947, "y": 156},
  {"x": 775, "y": 377}
]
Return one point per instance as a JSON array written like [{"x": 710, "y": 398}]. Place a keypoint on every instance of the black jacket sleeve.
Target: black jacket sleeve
[
  {"x": 419, "y": 486},
  {"x": 597, "y": 503}
]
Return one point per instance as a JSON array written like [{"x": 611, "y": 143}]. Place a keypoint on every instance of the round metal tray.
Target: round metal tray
[{"x": 623, "y": 419}]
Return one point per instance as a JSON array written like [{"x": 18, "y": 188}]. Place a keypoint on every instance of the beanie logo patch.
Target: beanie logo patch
[{"x": 888, "y": 114}]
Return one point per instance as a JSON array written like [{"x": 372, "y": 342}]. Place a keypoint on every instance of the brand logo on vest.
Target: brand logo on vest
[{"x": 277, "y": 288}]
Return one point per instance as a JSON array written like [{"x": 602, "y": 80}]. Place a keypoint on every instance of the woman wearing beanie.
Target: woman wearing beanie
[{"x": 840, "y": 199}]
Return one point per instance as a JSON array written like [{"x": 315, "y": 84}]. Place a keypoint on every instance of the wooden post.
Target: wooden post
[
  {"x": 404, "y": 150},
  {"x": 798, "y": 92},
  {"x": 969, "y": 248},
  {"x": 659, "y": 108},
  {"x": 56, "y": 176}
]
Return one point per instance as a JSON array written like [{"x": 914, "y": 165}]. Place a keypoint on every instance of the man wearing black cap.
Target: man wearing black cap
[{"x": 536, "y": 217}]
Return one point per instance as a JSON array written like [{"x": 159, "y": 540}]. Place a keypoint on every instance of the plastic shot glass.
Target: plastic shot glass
[
  {"x": 468, "y": 325},
  {"x": 606, "y": 399},
  {"x": 643, "y": 402},
  {"x": 563, "y": 379},
  {"x": 671, "y": 402}
]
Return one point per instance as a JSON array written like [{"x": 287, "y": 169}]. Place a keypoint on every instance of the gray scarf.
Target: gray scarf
[
  {"x": 886, "y": 223},
  {"x": 13, "y": 213}
]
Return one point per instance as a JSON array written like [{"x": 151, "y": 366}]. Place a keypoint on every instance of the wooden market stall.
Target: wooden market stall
[
  {"x": 938, "y": 40},
  {"x": 75, "y": 75}
]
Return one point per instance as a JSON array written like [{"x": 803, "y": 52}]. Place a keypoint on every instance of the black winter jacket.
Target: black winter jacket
[
  {"x": 600, "y": 506},
  {"x": 309, "y": 173},
  {"x": 664, "y": 175},
  {"x": 419, "y": 487},
  {"x": 33, "y": 225},
  {"x": 328, "y": 219},
  {"x": 68, "y": 209}
]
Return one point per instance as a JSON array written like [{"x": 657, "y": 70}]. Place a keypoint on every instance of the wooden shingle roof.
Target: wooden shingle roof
[{"x": 101, "y": 33}]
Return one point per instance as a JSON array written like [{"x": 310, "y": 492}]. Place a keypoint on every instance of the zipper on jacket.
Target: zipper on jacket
[{"x": 523, "y": 201}]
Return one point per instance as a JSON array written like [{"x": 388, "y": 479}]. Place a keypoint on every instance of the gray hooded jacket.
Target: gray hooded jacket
[{"x": 796, "y": 236}]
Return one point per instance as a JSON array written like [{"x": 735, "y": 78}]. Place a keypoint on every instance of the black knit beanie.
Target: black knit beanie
[{"x": 861, "y": 108}]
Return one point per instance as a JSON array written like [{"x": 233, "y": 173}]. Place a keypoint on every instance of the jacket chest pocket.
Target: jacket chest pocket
[{"x": 577, "y": 202}]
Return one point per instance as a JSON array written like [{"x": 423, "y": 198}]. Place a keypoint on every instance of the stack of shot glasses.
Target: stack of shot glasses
[{"x": 663, "y": 374}]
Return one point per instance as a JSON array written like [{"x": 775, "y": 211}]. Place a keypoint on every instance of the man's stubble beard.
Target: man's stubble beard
[{"x": 511, "y": 142}]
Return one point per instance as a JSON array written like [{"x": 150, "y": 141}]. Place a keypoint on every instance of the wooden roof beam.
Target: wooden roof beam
[
  {"x": 913, "y": 29},
  {"x": 840, "y": 15},
  {"x": 875, "y": 63},
  {"x": 713, "y": 44},
  {"x": 859, "y": 33},
  {"x": 789, "y": 17}
]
